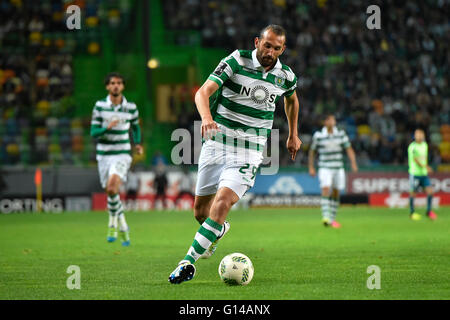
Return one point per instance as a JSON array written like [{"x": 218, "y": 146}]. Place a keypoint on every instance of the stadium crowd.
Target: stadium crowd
[
  {"x": 381, "y": 84},
  {"x": 37, "y": 119}
]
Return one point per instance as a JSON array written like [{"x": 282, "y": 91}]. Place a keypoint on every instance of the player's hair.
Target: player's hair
[
  {"x": 111, "y": 75},
  {"x": 326, "y": 116},
  {"x": 275, "y": 28}
]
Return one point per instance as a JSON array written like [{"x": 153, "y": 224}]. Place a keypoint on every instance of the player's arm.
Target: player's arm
[
  {"x": 136, "y": 133},
  {"x": 226, "y": 68},
  {"x": 97, "y": 131},
  {"x": 291, "y": 108},
  {"x": 422, "y": 165},
  {"x": 311, "y": 156},
  {"x": 351, "y": 155},
  {"x": 96, "y": 124},
  {"x": 412, "y": 153},
  {"x": 209, "y": 127},
  {"x": 137, "y": 138},
  {"x": 418, "y": 162}
]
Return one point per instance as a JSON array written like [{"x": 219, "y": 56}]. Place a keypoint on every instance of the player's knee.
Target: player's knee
[
  {"x": 112, "y": 189},
  {"x": 113, "y": 185},
  {"x": 221, "y": 206},
  {"x": 326, "y": 192},
  {"x": 335, "y": 193}
]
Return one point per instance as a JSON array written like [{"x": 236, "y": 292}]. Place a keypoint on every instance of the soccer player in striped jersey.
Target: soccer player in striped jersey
[
  {"x": 418, "y": 174},
  {"x": 112, "y": 118},
  {"x": 235, "y": 128},
  {"x": 330, "y": 143}
]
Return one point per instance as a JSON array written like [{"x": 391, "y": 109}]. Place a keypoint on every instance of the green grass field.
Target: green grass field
[{"x": 295, "y": 257}]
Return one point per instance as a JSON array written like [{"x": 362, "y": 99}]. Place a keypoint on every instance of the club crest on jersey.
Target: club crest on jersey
[
  {"x": 279, "y": 81},
  {"x": 114, "y": 118}
]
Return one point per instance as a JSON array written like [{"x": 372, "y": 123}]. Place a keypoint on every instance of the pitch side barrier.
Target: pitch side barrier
[{"x": 74, "y": 188}]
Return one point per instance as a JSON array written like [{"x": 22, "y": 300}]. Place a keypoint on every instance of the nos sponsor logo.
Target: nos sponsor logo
[{"x": 259, "y": 94}]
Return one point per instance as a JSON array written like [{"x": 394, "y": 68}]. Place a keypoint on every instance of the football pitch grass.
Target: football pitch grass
[{"x": 294, "y": 256}]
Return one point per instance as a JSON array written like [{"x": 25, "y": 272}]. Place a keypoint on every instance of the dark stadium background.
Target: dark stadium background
[{"x": 381, "y": 84}]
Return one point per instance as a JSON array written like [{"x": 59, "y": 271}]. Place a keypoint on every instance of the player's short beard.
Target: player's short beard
[
  {"x": 262, "y": 61},
  {"x": 115, "y": 94}
]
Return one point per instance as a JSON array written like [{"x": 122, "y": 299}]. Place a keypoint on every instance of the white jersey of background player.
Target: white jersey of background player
[
  {"x": 112, "y": 118},
  {"x": 330, "y": 144}
]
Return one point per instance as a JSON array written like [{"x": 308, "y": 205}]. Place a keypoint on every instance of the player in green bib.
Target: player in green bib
[{"x": 418, "y": 173}]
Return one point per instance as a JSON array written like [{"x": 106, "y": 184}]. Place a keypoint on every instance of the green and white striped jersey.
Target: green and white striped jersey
[
  {"x": 245, "y": 103},
  {"x": 330, "y": 147},
  {"x": 116, "y": 140}
]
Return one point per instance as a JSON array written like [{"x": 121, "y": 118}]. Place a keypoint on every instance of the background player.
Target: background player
[
  {"x": 236, "y": 128},
  {"x": 418, "y": 174},
  {"x": 110, "y": 124},
  {"x": 330, "y": 144}
]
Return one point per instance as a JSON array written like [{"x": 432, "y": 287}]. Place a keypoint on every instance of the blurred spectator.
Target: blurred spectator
[
  {"x": 2, "y": 183},
  {"x": 159, "y": 159},
  {"x": 160, "y": 184},
  {"x": 132, "y": 186},
  {"x": 381, "y": 123},
  {"x": 185, "y": 196},
  {"x": 185, "y": 184}
]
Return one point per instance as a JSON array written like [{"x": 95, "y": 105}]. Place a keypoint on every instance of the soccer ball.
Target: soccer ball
[{"x": 236, "y": 269}]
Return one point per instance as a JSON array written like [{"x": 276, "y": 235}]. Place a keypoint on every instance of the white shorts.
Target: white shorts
[
  {"x": 109, "y": 165},
  {"x": 332, "y": 178},
  {"x": 222, "y": 166}
]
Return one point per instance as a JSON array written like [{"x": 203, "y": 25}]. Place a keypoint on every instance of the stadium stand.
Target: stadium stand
[
  {"x": 381, "y": 84},
  {"x": 37, "y": 120}
]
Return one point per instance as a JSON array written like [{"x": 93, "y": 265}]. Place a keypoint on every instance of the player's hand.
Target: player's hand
[
  {"x": 293, "y": 145},
  {"x": 312, "y": 172},
  {"x": 209, "y": 128},
  {"x": 354, "y": 167},
  {"x": 429, "y": 169},
  {"x": 112, "y": 124},
  {"x": 139, "y": 149}
]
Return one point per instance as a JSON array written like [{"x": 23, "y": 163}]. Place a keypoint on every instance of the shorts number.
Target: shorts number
[
  {"x": 247, "y": 166},
  {"x": 120, "y": 167}
]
